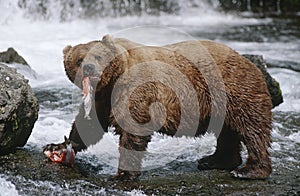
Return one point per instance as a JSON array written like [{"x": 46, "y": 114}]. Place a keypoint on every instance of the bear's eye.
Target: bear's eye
[
  {"x": 79, "y": 62},
  {"x": 98, "y": 58}
]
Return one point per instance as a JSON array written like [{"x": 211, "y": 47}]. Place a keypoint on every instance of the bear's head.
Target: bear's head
[{"x": 88, "y": 59}]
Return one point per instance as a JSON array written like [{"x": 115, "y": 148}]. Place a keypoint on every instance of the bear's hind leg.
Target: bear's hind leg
[
  {"x": 227, "y": 155},
  {"x": 258, "y": 164}
]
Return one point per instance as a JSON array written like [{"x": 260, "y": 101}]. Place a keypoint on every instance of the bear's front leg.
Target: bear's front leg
[
  {"x": 132, "y": 149},
  {"x": 227, "y": 155},
  {"x": 84, "y": 132}
]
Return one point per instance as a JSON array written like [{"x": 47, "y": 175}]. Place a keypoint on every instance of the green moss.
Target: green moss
[{"x": 278, "y": 87}]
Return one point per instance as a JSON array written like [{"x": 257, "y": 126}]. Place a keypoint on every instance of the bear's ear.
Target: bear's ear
[
  {"x": 66, "y": 50},
  {"x": 107, "y": 40}
]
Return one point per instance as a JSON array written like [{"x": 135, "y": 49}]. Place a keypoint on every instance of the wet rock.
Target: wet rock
[
  {"x": 14, "y": 60},
  {"x": 273, "y": 85},
  {"x": 11, "y": 56},
  {"x": 18, "y": 109}
]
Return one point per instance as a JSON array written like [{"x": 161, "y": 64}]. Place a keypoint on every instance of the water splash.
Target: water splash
[{"x": 7, "y": 188}]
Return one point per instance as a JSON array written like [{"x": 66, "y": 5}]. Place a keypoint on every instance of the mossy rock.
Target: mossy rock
[{"x": 272, "y": 84}]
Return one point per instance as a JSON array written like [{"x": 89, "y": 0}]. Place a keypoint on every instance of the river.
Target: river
[{"x": 40, "y": 38}]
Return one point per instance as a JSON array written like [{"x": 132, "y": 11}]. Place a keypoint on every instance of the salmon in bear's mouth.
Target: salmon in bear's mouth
[
  {"x": 87, "y": 96},
  {"x": 89, "y": 79}
]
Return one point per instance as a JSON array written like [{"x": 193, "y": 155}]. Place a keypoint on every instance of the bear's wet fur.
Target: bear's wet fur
[{"x": 247, "y": 110}]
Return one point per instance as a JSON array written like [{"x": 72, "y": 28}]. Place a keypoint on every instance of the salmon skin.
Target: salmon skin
[{"x": 87, "y": 96}]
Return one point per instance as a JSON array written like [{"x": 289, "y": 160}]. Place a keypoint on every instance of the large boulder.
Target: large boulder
[
  {"x": 18, "y": 109},
  {"x": 273, "y": 85},
  {"x": 11, "y": 56},
  {"x": 13, "y": 59}
]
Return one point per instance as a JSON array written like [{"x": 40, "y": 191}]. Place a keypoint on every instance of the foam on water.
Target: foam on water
[
  {"x": 295, "y": 137},
  {"x": 161, "y": 150},
  {"x": 49, "y": 130},
  {"x": 135, "y": 192},
  {"x": 164, "y": 149},
  {"x": 32, "y": 187},
  {"x": 104, "y": 153},
  {"x": 290, "y": 85},
  {"x": 7, "y": 188},
  {"x": 286, "y": 51}
]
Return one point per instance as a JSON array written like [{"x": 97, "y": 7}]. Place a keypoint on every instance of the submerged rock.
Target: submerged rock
[
  {"x": 11, "y": 56},
  {"x": 273, "y": 85},
  {"x": 18, "y": 109}
]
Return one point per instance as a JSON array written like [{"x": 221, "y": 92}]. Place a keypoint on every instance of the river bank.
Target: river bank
[{"x": 25, "y": 167}]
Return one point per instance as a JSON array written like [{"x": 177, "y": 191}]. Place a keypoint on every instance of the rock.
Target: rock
[
  {"x": 14, "y": 60},
  {"x": 273, "y": 85},
  {"x": 18, "y": 109},
  {"x": 11, "y": 56}
]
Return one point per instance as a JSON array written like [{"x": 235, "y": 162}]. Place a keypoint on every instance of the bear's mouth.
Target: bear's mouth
[
  {"x": 89, "y": 71},
  {"x": 90, "y": 79}
]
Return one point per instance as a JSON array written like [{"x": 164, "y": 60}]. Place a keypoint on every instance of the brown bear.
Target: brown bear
[{"x": 183, "y": 88}]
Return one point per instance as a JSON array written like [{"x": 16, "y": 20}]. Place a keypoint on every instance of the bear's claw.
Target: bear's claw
[
  {"x": 124, "y": 175},
  {"x": 249, "y": 174},
  {"x": 241, "y": 175}
]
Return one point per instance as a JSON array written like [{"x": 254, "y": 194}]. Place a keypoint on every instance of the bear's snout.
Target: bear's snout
[{"x": 88, "y": 70}]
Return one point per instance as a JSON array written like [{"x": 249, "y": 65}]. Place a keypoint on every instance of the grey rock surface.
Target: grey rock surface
[
  {"x": 11, "y": 56},
  {"x": 18, "y": 109}
]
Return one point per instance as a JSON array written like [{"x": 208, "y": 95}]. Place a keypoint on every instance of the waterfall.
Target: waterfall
[
  {"x": 278, "y": 2},
  {"x": 69, "y": 10},
  {"x": 261, "y": 3},
  {"x": 249, "y": 5}
]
